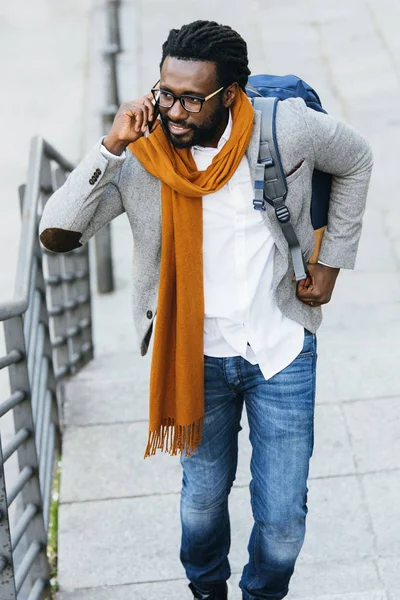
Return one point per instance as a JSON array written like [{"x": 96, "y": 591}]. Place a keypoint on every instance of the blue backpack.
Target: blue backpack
[{"x": 270, "y": 185}]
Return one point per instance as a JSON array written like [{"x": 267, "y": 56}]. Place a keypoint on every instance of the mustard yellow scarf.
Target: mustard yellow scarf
[{"x": 177, "y": 370}]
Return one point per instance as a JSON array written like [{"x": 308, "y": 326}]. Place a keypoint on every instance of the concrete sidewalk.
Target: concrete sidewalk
[{"x": 119, "y": 515}]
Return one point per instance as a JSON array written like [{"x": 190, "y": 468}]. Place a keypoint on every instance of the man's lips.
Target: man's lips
[{"x": 177, "y": 129}]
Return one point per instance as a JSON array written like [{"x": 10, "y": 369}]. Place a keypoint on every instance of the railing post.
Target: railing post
[
  {"x": 104, "y": 268},
  {"x": 103, "y": 248},
  {"x": 7, "y": 584},
  {"x": 114, "y": 36},
  {"x": 21, "y": 196},
  {"x": 27, "y": 455}
]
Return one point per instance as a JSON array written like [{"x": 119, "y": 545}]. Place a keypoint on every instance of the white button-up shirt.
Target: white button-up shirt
[{"x": 241, "y": 315}]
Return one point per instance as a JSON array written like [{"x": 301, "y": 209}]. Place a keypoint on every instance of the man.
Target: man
[{"x": 232, "y": 325}]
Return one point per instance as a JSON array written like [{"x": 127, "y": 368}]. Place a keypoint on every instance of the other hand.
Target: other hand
[{"x": 317, "y": 288}]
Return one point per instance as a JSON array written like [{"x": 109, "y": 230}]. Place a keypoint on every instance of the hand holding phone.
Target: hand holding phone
[{"x": 131, "y": 122}]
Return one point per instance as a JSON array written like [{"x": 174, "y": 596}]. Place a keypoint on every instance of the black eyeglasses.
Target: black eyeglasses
[{"x": 190, "y": 103}]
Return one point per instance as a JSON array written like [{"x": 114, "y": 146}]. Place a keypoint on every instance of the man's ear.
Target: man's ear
[{"x": 230, "y": 95}]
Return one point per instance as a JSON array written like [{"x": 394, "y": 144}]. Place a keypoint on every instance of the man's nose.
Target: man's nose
[{"x": 177, "y": 112}]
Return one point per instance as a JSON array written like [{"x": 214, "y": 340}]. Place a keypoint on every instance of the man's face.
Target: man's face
[{"x": 185, "y": 129}]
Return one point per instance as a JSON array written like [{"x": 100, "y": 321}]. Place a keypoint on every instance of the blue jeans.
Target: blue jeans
[{"x": 281, "y": 420}]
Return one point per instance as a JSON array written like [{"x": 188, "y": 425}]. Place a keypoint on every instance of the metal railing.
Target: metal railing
[
  {"x": 48, "y": 336},
  {"x": 104, "y": 268}
]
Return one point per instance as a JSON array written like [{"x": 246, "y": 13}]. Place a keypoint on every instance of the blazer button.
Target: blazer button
[
  {"x": 149, "y": 314},
  {"x": 98, "y": 171},
  {"x": 91, "y": 181}
]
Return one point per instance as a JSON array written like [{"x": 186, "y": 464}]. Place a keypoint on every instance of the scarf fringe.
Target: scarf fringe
[{"x": 175, "y": 439}]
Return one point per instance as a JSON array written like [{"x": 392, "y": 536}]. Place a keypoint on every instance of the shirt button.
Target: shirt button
[{"x": 149, "y": 314}]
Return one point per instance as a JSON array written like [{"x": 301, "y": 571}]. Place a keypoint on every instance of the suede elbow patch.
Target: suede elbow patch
[{"x": 60, "y": 240}]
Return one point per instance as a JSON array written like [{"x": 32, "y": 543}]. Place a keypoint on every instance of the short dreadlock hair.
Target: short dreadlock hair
[{"x": 209, "y": 41}]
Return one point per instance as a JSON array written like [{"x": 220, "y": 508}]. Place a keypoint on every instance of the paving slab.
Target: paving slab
[
  {"x": 91, "y": 402},
  {"x": 326, "y": 388},
  {"x": 354, "y": 289},
  {"x": 368, "y": 258},
  {"x": 333, "y": 454},
  {"x": 324, "y": 579},
  {"x": 115, "y": 367},
  {"x": 396, "y": 246},
  {"x": 374, "y": 428},
  {"x": 345, "y": 355},
  {"x": 390, "y": 572},
  {"x": 338, "y": 527},
  {"x": 342, "y": 318},
  {"x": 243, "y": 475},
  {"x": 120, "y": 542},
  {"x": 106, "y": 461},
  {"x": 382, "y": 492},
  {"x": 370, "y": 595},
  {"x": 173, "y": 590},
  {"x": 361, "y": 365}
]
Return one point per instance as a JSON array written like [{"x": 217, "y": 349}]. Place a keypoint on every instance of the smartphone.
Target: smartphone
[{"x": 151, "y": 123}]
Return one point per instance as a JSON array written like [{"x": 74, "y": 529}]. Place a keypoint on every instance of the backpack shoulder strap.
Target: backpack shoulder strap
[
  {"x": 273, "y": 177},
  {"x": 270, "y": 182}
]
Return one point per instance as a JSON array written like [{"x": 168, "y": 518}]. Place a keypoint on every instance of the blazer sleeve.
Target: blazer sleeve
[
  {"x": 342, "y": 151},
  {"x": 88, "y": 200}
]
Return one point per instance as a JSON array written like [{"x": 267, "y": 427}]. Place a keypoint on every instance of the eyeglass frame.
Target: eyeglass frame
[{"x": 154, "y": 90}]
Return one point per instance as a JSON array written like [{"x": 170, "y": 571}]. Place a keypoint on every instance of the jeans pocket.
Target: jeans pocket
[{"x": 309, "y": 345}]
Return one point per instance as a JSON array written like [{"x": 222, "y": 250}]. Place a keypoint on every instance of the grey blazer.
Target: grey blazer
[{"x": 100, "y": 188}]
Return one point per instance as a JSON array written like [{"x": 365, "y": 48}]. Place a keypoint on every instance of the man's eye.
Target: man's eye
[
  {"x": 192, "y": 100},
  {"x": 166, "y": 96}
]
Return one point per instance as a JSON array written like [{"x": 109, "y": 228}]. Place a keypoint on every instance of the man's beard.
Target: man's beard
[{"x": 201, "y": 135}]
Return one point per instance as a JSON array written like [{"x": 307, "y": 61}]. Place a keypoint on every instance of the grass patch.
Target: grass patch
[{"x": 52, "y": 540}]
